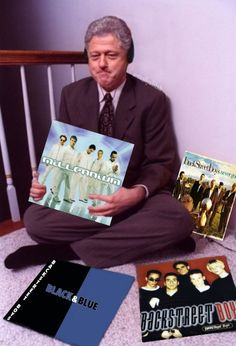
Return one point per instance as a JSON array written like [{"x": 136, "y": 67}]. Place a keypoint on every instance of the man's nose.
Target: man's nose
[{"x": 103, "y": 60}]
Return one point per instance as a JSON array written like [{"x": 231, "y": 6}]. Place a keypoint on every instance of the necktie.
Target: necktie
[{"x": 106, "y": 116}]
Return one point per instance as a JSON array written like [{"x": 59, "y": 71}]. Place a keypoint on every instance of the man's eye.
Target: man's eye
[
  {"x": 94, "y": 57},
  {"x": 112, "y": 56}
]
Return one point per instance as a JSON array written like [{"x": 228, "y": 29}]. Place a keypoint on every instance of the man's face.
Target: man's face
[
  {"x": 72, "y": 142},
  {"x": 171, "y": 282},
  {"x": 62, "y": 140},
  {"x": 90, "y": 151},
  {"x": 152, "y": 280},
  {"x": 100, "y": 155},
  {"x": 113, "y": 157},
  {"x": 197, "y": 279},
  {"x": 107, "y": 61},
  {"x": 213, "y": 183},
  {"x": 182, "y": 269},
  {"x": 202, "y": 177},
  {"x": 216, "y": 267}
]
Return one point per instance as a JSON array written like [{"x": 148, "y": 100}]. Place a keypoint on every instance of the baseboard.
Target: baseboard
[{"x": 9, "y": 226}]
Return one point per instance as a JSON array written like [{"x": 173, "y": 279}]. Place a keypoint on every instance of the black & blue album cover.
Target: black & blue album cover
[{"x": 71, "y": 302}]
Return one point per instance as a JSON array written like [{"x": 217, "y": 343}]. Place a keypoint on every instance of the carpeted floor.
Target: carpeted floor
[{"x": 125, "y": 328}]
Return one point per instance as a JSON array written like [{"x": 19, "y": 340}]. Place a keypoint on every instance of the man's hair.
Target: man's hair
[
  {"x": 73, "y": 137},
  {"x": 154, "y": 271},
  {"x": 92, "y": 146},
  {"x": 195, "y": 271},
  {"x": 113, "y": 152},
  {"x": 109, "y": 25},
  {"x": 63, "y": 136},
  {"x": 214, "y": 260},
  {"x": 171, "y": 274},
  {"x": 180, "y": 262}
]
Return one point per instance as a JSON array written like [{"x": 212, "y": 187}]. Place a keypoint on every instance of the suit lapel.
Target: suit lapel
[
  {"x": 124, "y": 115},
  {"x": 90, "y": 107}
]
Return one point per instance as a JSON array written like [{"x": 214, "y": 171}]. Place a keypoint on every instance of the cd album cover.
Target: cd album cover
[
  {"x": 71, "y": 302},
  {"x": 185, "y": 298},
  {"x": 77, "y": 162},
  {"x": 207, "y": 188}
]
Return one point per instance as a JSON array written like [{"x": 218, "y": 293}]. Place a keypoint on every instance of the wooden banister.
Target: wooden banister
[{"x": 28, "y": 57}]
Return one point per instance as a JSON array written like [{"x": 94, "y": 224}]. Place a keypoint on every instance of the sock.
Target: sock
[{"x": 39, "y": 254}]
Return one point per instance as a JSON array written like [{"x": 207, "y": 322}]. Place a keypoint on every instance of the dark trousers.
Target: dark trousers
[{"x": 157, "y": 223}]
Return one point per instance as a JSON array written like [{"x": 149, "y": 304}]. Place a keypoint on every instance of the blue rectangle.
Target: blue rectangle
[{"x": 104, "y": 291}]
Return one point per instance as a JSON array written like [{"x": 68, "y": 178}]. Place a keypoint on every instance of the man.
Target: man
[
  {"x": 149, "y": 293},
  {"x": 216, "y": 202},
  {"x": 183, "y": 268},
  {"x": 146, "y": 218},
  {"x": 170, "y": 295},
  {"x": 223, "y": 287},
  {"x": 227, "y": 201},
  {"x": 56, "y": 153},
  {"x": 95, "y": 184},
  {"x": 166, "y": 297},
  {"x": 111, "y": 168},
  {"x": 69, "y": 156},
  {"x": 85, "y": 161},
  {"x": 179, "y": 186},
  {"x": 202, "y": 293},
  {"x": 197, "y": 190}
]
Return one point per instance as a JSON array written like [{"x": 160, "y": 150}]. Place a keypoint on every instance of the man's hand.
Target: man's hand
[
  {"x": 37, "y": 190},
  {"x": 118, "y": 202}
]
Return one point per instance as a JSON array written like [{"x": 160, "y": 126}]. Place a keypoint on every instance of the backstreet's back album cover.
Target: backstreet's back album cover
[
  {"x": 185, "y": 298},
  {"x": 71, "y": 302},
  {"x": 207, "y": 188},
  {"x": 75, "y": 163}
]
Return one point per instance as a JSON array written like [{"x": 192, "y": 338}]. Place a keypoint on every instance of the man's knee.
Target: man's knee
[{"x": 33, "y": 223}]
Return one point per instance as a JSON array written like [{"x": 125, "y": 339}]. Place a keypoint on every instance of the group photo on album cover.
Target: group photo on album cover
[
  {"x": 186, "y": 297},
  {"x": 207, "y": 188},
  {"x": 76, "y": 163}
]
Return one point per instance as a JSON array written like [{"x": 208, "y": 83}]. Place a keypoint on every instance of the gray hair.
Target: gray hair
[{"x": 109, "y": 25}]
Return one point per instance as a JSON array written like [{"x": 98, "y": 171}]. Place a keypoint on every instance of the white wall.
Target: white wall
[{"x": 187, "y": 47}]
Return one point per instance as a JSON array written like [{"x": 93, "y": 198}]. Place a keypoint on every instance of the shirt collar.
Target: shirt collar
[{"x": 114, "y": 93}]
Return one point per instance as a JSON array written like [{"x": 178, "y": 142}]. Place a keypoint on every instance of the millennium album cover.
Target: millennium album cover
[
  {"x": 207, "y": 188},
  {"x": 75, "y": 163},
  {"x": 71, "y": 302},
  {"x": 186, "y": 297}
]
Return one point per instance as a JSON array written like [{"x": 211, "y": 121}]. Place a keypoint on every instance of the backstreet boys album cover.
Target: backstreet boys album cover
[
  {"x": 207, "y": 188},
  {"x": 185, "y": 298},
  {"x": 71, "y": 302},
  {"x": 77, "y": 162}
]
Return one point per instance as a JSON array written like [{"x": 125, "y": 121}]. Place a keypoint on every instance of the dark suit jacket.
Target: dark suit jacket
[{"x": 141, "y": 118}]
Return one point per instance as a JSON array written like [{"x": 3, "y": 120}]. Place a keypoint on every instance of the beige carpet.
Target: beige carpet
[{"x": 125, "y": 328}]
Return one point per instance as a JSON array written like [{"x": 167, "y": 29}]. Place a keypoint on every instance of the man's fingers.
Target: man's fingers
[
  {"x": 35, "y": 175},
  {"x": 104, "y": 198},
  {"x": 105, "y": 210}
]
